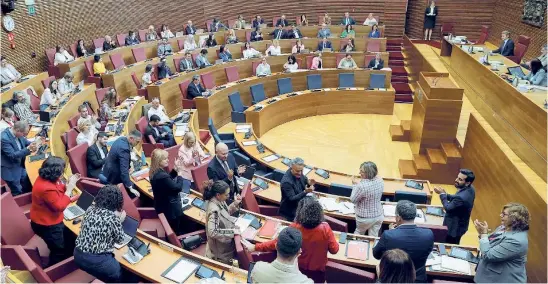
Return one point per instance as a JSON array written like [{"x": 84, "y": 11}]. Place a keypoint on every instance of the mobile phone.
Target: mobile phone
[
  {"x": 342, "y": 238},
  {"x": 441, "y": 249}
]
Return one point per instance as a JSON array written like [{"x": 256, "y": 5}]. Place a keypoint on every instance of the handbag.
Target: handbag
[{"x": 192, "y": 242}]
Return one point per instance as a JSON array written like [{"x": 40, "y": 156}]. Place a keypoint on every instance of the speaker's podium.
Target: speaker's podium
[{"x": 432, "y": 130}]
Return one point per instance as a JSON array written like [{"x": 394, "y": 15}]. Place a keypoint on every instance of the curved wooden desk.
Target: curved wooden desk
[{"x": 35, "y": 82}]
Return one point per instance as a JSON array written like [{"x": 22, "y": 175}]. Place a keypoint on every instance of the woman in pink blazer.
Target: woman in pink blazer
[
  {"x": 317, "y": 61},
  {"x": 190, "y": 156}
]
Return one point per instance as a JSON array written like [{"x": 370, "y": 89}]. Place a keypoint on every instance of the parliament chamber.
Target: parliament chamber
[{"x": 246, "y": 142}]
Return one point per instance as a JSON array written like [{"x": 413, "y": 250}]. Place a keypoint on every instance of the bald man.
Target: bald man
[{"x": 223, "y": 167}]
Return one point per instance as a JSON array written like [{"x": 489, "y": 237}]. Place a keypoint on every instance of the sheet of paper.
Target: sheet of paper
[
  {"x": 346, "y": 208},
  {"x": 181, "y": 271},
  {"x": 249, "y": 143},
  {"x": 243, "y": 126},
  {"x": 306, "y": 170},
  {"x": 389, "y": 210},
  {"x": 270, "y": 158},
  {"x": 242, "y": 223},
  {"x": 455, "y": 264},
  {"x": 436, "y": 259},
  {"x": 329, "y": 204}
]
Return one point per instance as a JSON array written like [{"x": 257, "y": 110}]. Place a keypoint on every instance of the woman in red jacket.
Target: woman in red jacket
[
  {"x": 318, "y": 239},
  {"x": 50, "y": 197}
]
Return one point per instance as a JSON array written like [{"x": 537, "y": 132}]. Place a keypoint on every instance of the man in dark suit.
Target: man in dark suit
[
  {"x": 506, "y": 48},
  {"x": 417, "y": 242},
  {"x": 190, "y": 29},
  {"x": 294, "y": 32},
  {"x": 186, "y": 63},
  {"x": 163, "y": 69},
  {"x": 294, "y": 186},
  {"x": 116, "y": 168},
  {"x": 132, "y": 39},
  {"x": 278, "y": 33},
  {"x": 96, "y": 155},
  {"x": 282, "y": 22},
  {"x": 159, "y": 134},
  {"x": 257, "y": 22},
  {"x": 347, "y": 20},
  {"x": 195, "y": 89},
  {"x": 324, "y": 44},
  {"x": 216, "y": 26},
  {"x": 256, "y": 35},
  {"x": 458, "y": 206},
  {"x": 376, "y": 63},
  {"x": 223, "y": 167},
  {"x": 15, "y": 147}
]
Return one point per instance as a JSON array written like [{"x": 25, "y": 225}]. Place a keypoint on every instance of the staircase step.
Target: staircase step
[
  {"x": 396, "y": 133},
  {"x": 435, "y": 156},
  {"x": 393, "y": 48},
  {"x": 407, "y": 169},
  {"x": 451, "y": 152},
  {"x": 406, "y": 125},
  {"x": 403, "y": 98},
  {"x": 399, "y": 70},
  {"x": 402, "y": 88},
  {"x": 421, "y": 162},
  {"x": 394, "y": 41},
  {"x": 395, "y": 55},
  {"x": 399, "y": 79},
  {"x": 396, "y": 63}
]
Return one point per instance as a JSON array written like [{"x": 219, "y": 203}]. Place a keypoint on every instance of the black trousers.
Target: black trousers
[
  {"x": 176, "y": 224},
  {"x": 58, "y": 239},
  {"x": 453, "y": 240}
]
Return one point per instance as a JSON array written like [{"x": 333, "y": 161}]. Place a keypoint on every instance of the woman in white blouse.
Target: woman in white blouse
[
  {"x": 274, "y": 48},
  {"x": 190, "y": 43},
  {"x": 147, "y": 76},
  {"x": 263, "y": 69},
  {"x": 166, "y": 33},
  {"x": 87, "y": 133},
  {"x": 62, "y": 56},
  {"x": 7, "y": 119},
  {"x": 151, "y": 34},
  {"x": 291, "y": 64},
  {"x": 49, "y": 96},
  {"x": 249, "y": 51},
  {"x": 298, "y": 47},
  {"x": 370, "y": 20}
]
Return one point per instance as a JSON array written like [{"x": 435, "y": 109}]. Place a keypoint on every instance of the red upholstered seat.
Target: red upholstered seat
[
  {"x": 373, "y": 45},
  {"x": 46, "y": 81},
  {"x": 147, "y": 217},
  {"x": 77, "y": 159},
  {"x": 176, "y": 62},
  {"x": 183, "y": 86},
  {"x": 73, "y": 121},
  {"x": 117, "y": 60},
  {"x": 208, "y": 25},
  {"x": 141, "y": 125},
  {"x": 181, "y": 43},
  {"x": 519, "y": 52},
  {"x": 244, "y": 257},
  {"x": 52, "y": 69},
  {"x": 309, "y": 61},
  {"x": 274, "y": 21},
  {"x": 143, "y": 35},
  {"x": 199, "y": 175},
  {"x": 175, "y": 240},
  {"x": 34, "y": 101},
  {"x": 139, "y": 54},
  {"x": 249, "y": 202},
  {"x": 340, "y": 273},
  {"x": 339, "y": 57},
  {"x": 208, "y": 80},
  {"x": 525, "y": 40},
  {"x": 336, "y": 224},
  {"x": 247, "y": 35},
  {"x": 232, "y": 74},
  {"x": 231, "y": 23},
  {"x": 90, "y": 76},
  {"x": 140, "y": 91},
  {"x": 447, "y": 28},
  {"x": 440, "y": 232},
  {"x": 71, "y": 138},
  {"x": 173, "y": 153},
  {"x": 254, "y": 65},
  {"x": 368, "y": 58},
  {"x": 98, "y": 42},
  {"x": 204, "y": 136},
  {"x": 100, "y": 94},
  {"x": 300, "y": 63},
  {"x": 121, "y": 38},
  {"x": 73, "y": 50},
  {"x": 342, "y": 43},
  {"x": 194, "y": 55}
]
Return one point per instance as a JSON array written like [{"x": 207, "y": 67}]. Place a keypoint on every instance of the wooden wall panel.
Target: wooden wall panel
[
  {"x": 64, "y": 22},
  {"x": 500, "y": 181}
]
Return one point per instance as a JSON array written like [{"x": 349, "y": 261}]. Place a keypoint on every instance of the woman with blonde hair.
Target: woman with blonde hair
[
  {"x": 151, "y": 34},
  {"x": 190, "y": 43},
  {"x": 166, "y": 188},
  {"x": 190, "y": 155},
  {"x": 231, "y": 37},
  {"x": 87, "y": 133},
  {"x": 107, "y": 104},
  {"x": 274, "y": 48}
]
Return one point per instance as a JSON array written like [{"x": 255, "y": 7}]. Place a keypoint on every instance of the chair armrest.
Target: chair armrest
[
  {"x": 61, "y": 269},
  {"x": 269, "y": 210},
  {"x": 147, "y": 213},
  {"x": 201, "y": 233},
  {"x": 263, "y": 256},
  {"x": 23, "y": 199}
]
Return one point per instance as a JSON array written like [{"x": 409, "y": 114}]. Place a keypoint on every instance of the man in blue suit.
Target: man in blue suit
[
  {"x": 324, "y": 44},
  {"x": 458, "y": 206},
  {"x": 195, "y": 89},
  {"x": 257, "y": 22},
  {"x": 15, "y": 147},
  {"x": 415, "y": 241},
  {"x": 117, "y": 164},
  {"x": 506, "y": 48},
  {"x": 282, "y": 22},
  {"x": 278, "y": 33},
  {"x": 223, "y": 167}
]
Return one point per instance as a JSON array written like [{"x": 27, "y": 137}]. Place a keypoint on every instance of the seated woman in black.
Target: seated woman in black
[{"x": 211, "y": 41}]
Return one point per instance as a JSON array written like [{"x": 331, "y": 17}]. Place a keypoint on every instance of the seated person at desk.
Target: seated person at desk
[
  {"x": 250, "y": 52},
  {"x": 224, "y": 54},
  {"x": 256, "y": 35},
  {"x": 8, "y": 72},
  {"x": 195, "y": 89},
  {"x": 348, "y": 32},
  {"x": 298, "y": 47},
  {"x": 80, "y": 48},
  {"x": 291, "y": 64},
  {"x": 66, "y": 86},
  {"x": 190, "y": 156},
  {"x": 62, "y": 56},
  {"x": 164, "y": 48},
  {"x": 304, "y": 21},
  {"x": 163, "y": 70},
  {"x": 278, "y": 33},
  {"x": 263, "y": 69},
  {"x": 186, "y": 63},
  {"x": 87, "y": 133},
  {"x": 201, "y": 59},
  {"x": 22, "y": 108},
  {"x": 216, "y": 26},
  {"x": 294, "y": 186},
  {"x": 190, "y": 43},
  {"x": 157, "y": 109},
  {"x": 15, "y": 148},
  {"x": 543, "y": 58},
  {"x": 190, "y": 29},
  {"x": 96, "y": 155},
  {"x": 166, "y": 188},
  {"x": 316, "y": 61},
  {"x": 240, "y": 23},
  {"x": 326, "y": 19},
  {"x": 49, "y": 96},
  {"x": 347, "y": 62},
  {"x": 324, "y": 32},
  {"x": 257, "y": 22},
  {"x": 117, "y": 165},
  {"x": 376, "y": 63},
  {"x": 151, "y": 34},
  {"x": 85, "y": 115},
  {"x": 405, "y": 235},
  {"x": 370, "y": 20},
  {"x": 507, "y": 46},
  {"x": 283, "y": 268},
  {"x": 147, "y": 76},
  {"x": 537, "y": 76},
  {"x": 159, "y": 134},
  {"x": 165, "y": 32},
  {"x": 210, "y": 41},
  {"x": 274, "y": 48},
  {"x": 349, "y": 46},
  {"x": 374, "y": 33},
  {"x": 323, "y": 44},
  {"x": 282, "y": 22},
  {"x": 7, "y": 119},
  {"x": 293, "y": 33},
  {"x": 107, "y": 105},
  {"x": 347, "y": 20},
  {"x": 223, "y": 167},
  {"x": 132, "y": 39},
  {"x": 231, "y": 37},
  {"x": 98, "y": 66},
  {"x": 108, "y": 44}
]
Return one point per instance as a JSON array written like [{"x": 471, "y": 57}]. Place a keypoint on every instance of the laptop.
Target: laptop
[
  {"x": 83, "y": 203},
  {"x": 99, "y": 50},
  {"x": 130, "y": 226},
  {"x": 516, "y": 71}
]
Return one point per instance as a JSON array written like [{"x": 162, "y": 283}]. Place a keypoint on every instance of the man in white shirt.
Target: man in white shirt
[
  {"x": 65, "y": 84},
  {"x": 263, "y": 68},
  {"x": 159, "y": 110},
  {"x": 84, "y": 115},
  {"x": 370, "y": 21},
  {"x": 9, "y": 73}
]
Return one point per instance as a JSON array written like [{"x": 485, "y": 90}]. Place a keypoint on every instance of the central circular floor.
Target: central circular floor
[{"x": 340, "y": 142}]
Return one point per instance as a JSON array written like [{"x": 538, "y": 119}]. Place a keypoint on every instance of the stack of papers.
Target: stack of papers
[
  {"x": 433, "y": 259},
  {"x": 181, "y": 129},
  {"x": 243, "y": 128},
  {"x": 455, "y": 265},
  {"x": 270, "y": 158},
  {"x": 249, "y": 143},
  {"x": 331, "y": 204},
  {"x": 347, "y": 208},
  {"x": 389, "y": 210}
]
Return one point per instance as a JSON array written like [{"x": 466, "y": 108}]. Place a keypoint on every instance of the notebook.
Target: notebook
[
  {"x": 269, "y": 229},
  {"x": 179, "y": 271},
  {"x": 249, "y": 233},
  {"x": 139, "y": 175},
  {"x": 357, "y": 250}
]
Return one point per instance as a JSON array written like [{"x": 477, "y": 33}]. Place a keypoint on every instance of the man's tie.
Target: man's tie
[
  {"x": 278, "y": 36},
  {"x": 323, "y": 45},
  {"x": 347, "y": 21},
  {"x": 503, "y": 45},
  {"x": 188, "y": 65}
]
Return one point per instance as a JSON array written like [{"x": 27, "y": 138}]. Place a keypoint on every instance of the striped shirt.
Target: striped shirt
[{"x": 366, "y": 196}]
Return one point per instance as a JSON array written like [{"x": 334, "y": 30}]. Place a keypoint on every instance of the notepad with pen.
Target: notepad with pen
[{"x": 357, "y": 250}]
